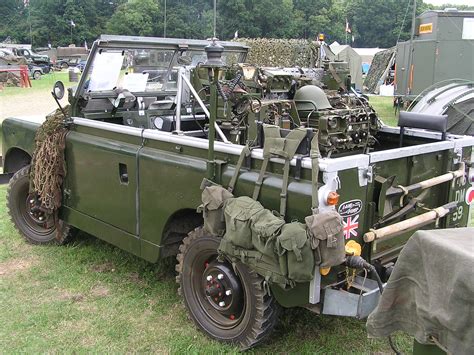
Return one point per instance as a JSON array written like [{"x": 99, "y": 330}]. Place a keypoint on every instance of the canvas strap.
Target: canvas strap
[
  {"x": 280, "y": 147},
  {"x": 315, "y": 156},
  {"x": 245, "y": 153}
]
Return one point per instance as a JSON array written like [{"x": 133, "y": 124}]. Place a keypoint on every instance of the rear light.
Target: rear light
[{"x": 333, "y": 198}]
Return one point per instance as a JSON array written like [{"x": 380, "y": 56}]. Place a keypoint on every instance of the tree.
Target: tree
[
  {"x": 14, "y": 21},
  {"x": 379, "y": 23},
  {"x": 374, "y": 22},
  {"x": 136, "y": 17}
]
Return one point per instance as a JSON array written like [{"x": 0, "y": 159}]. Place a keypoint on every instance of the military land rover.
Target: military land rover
[{"x": 271, "y": 189}]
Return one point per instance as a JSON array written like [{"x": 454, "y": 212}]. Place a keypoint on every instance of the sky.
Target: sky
[{"x": 452, "y": 2}]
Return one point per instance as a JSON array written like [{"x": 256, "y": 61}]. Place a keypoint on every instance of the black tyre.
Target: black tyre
[
  {"x": 37, "y": 75},
  {"x": 36, "y": 226},
  {"x": 64, "y": 65},
  {"x": 228, "y": 303}
]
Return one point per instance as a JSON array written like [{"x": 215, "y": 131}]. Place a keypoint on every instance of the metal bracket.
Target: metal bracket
[
  {"x": 315, "y": 287},
  {"x": 331, "y": 183},
  {"x": 365, "y": 175},
  {"x": 299, "y": 159},
  {"x": 457, "y": 155}
]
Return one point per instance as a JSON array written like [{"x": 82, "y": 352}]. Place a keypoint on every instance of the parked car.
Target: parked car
[
  {"x": 65, "y": 63},
  {"x": 35, "y": 72},
  {"x": 82, "y": 64},
  {"x": 32, "y": 56}
]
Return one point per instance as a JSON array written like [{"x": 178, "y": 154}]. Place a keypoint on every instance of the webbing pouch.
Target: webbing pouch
[
  {"x": 327, "y": 238},
  {"x": 265, "y": 228},
  {"x": 262, "y": 264},
  {"x": 283, "y": 147},
  {"x": 293, "y": 241},
  {"x": 213, "y": 198},
  {"x": 238, "y": 213}
]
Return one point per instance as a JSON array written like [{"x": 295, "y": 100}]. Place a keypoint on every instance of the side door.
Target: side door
[{"x": 100, "y": 188}]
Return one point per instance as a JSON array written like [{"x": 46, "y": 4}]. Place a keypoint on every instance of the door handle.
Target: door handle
[{"x": 123, "y": 173}]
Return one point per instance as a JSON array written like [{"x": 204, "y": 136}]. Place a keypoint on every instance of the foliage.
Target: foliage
[
  {"x": 136, "y": 17},
  {"x": 373, "y": 22}
]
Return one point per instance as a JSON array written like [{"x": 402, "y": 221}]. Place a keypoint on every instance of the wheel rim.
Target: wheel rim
[
  {"x": 218, "y": 291},
  {"x": 37, "y": 220}
]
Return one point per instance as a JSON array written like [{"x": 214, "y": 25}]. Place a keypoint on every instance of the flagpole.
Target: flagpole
[{"x": 164, "y": 24}]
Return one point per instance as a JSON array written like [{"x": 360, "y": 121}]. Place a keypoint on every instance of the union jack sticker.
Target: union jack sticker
[{"x": 351, "y": 223}]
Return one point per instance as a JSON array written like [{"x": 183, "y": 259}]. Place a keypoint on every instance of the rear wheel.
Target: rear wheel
[
  {"x": 34, "y": 224},
  {"x": 228, "y": 302},
  {"x": 64, "y": 65}
]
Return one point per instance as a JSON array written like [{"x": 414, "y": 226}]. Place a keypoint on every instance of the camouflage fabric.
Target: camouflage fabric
[
  {"x": 271, "y": 52},
  {"x": 377, "y": 69}
]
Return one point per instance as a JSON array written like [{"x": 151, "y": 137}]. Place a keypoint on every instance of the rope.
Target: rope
[{"x": 405, "y": 192}]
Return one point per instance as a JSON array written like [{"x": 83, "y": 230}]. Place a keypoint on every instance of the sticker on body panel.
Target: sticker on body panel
[
  {"x": 470, "y": 196},
  {"x": 349, "y": 212}
]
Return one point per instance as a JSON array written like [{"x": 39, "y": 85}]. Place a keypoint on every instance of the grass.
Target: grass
[
  {"x": 383, "y": 105},
  {"x": 90, "y": 296},
  {"x": 44, "y": 84}
]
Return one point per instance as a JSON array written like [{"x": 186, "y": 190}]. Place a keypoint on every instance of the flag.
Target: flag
[
  {"x": 85, "y": 45},
  {"x": 236, "y": 34},
  {"x": 73, "y": 24},
  {"x": 49, "y": 45},
  {"x": 353, "y": 38},
  {"x": 348, "y": 28}
]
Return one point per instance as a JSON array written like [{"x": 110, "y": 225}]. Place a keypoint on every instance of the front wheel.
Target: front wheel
[
  {"x": 228, "y": 302},
  {"x": 35, "y": 225}
]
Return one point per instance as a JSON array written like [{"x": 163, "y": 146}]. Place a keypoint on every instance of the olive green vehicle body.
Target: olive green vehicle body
[{"x": 139, "y": 188}]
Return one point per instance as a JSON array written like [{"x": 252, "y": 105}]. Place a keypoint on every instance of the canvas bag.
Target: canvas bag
[
  {"x": 327, "y": 238},
  {"x": 294, "y": 243},
  {"x": 265, "y": 227},
  {"x": 262, "y": 264},
  {"x": 238, "y": 213},
  {"x": 213, "y": 198}
]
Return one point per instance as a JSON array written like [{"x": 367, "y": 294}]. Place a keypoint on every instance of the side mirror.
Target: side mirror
[{"x": 58, "y": 90}]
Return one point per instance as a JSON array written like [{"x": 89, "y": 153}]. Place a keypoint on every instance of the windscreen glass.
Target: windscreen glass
[
  {"x": 144, "y": 70},
  {"x": 139, "y": 70}
]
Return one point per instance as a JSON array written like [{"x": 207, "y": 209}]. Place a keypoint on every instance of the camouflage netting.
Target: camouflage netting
[
  {"x": 11, "y": 78},
  {"x": 280, "y": 52},
  {"x": 48, "y": 166},
  {"x": 8, "y": 79},
  {"x": 378, "y": 69}
]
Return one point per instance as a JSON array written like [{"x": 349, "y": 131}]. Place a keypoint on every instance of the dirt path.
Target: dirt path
[{"x": 28, "y": 104}]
